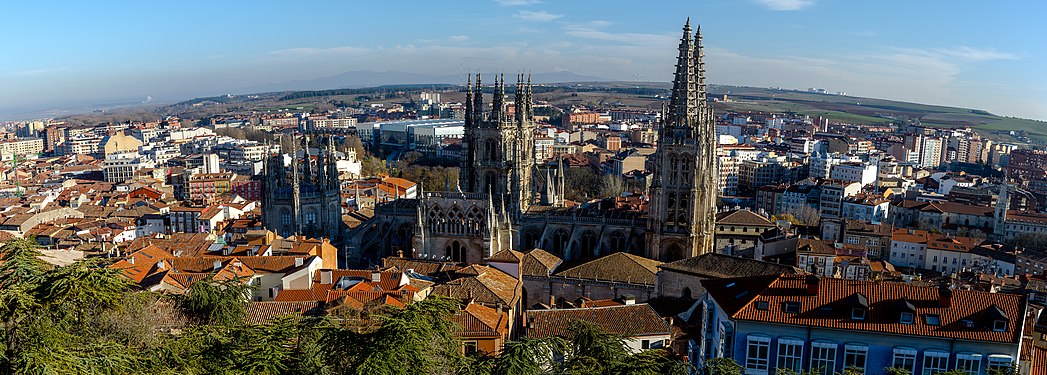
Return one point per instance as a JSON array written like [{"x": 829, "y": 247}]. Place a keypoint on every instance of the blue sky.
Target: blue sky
[{"x": 980, "y": 54}]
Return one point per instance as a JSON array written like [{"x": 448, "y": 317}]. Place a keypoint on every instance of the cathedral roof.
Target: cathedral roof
[
  {"x": 616, "y": 267},
  {"x": 742, "y": 217},
  {"x": 720, "y": 266},
  {"x": 538, "y": 262},
  {"x": 507, "y": 256}
]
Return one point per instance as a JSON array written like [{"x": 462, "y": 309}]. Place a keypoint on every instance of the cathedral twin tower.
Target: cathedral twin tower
[{"x": 503, "y": 203}]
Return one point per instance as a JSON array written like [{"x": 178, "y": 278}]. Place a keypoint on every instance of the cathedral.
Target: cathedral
[
  {"x": 505, "y": 201},
  {"x": 302, "y": 196}
]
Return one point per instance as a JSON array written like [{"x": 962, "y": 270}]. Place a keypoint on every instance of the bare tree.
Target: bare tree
[{"x": 611, "y": 186}]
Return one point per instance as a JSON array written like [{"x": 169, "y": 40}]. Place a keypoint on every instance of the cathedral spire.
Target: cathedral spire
[
  {"x": 498, "y": 102},
  {"x": 478, "y": 102},
  {"x": 682, "y": 106},
  {"x": 468, "y": 100},
  {"x": 699, "y": 57}
]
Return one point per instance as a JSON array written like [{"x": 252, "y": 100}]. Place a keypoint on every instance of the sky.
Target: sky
[{"x": 976, "y": 54}]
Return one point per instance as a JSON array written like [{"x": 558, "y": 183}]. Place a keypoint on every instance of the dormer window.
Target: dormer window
[
  {"x": 906, "y": 317},
  {"x": 932, "y": 319},
  {"x": 792, "y": 307},
  {"x": 999, "y": 325},
  {"x": 858, "y": 313},
  {"x": 762, "y": 305},
  {"x": 967, "y": 323}
]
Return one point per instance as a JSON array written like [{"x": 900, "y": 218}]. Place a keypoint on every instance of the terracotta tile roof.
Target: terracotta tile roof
[
  {"x": 507, "y": 256},
  {"x": 720, "y": 266},
  {"x": 910, "y": 235},
  {"x": 810, "y": 246},
  {"x": 618, "y": 267},
  {"x": 421, "y": 267},
  {"x": 625, "y": 320},
  {"x": 830, "y": 307},
  {"x": 742, "y": 217},
  {"x": 538, "y": 262},
  {"x": 959, "y": 208},
  {"x": 141, "y": 263},
  {"x": 491, "y": 286},
  {"x": 263, "y": 312},
  {"x": 482, "y": 321}
]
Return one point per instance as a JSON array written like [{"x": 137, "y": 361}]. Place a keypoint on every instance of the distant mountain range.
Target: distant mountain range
[{"x": 365, "y": 78}]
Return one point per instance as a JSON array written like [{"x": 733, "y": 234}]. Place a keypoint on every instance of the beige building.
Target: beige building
[
  {"x": 120, "y": 142},
  {"x": 21, "y": 148}
]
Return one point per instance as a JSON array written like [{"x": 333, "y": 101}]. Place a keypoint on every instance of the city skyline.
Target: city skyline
[{"x": 972, "y": 55}]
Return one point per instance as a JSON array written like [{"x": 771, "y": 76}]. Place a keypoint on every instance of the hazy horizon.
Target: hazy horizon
[{"x": 971, "y": 55}]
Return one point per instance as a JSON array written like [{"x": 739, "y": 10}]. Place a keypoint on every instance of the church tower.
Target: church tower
[
  {"x": 683, "y": 191},
  {"x": 499, "y": 146}
]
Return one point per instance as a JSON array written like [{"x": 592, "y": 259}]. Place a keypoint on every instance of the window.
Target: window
[
  {"x": 470, "y": 347},
  {"x": 906, "y": 317},
  {"x": 645, "y": 344},
  {"x": 999, "y": 325},
  {"x": 762, "y": 305},
  {"x": 823, "y": 358},
  {"x": 790, "y": 355},
  {"x": 1000, "y": 363},
  {"x": 858, "y": 313},
  {"x": 969, "y": 363},
  {"x": 967, "y": 323},
  {"x": 757, "y": 353},
  {"x": 792, "y": 307},
  {"x": 935, "y": 362},
  {"x": 855, "y": 356},
  {"x": 904, "y": 358},
  {"x": 932, "y": 319}
]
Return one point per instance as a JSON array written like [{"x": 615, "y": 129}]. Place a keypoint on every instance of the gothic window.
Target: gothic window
[
  {"x": 490, "y": 181},
  {"x": 672, "y": 168},
  {"x": 617, "y": 242},
  {"x": 455, "y": 252},
  {"x": 475, "y": 221},
  {"x": 436, "y": 219},
  {"x": 455, "y": 220},
  {"x": 285, "y": 217},
  {"x": 682, "y": 211},
  {"x": 560, "y": 237},
  {"x": 673, "y": 252},
  {"x": 491, "y": 149},
  {"x": 588, "y": 245},
  {"x": 310, "y": 217}
]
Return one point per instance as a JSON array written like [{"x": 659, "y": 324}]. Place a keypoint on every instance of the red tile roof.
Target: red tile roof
[
  {"x": 830, "y": 307},
  {"x": 625, "y": 320}
]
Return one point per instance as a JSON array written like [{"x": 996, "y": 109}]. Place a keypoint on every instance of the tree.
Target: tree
[
  {"x": 721, "y": 366},
  {"x": 611, "y": 186},
  {"x": 582, "y": 183},
  {"x": 896, "y": 371},
  {"x": 807, "y": 215},
  {"x": 215, "y": 302}
]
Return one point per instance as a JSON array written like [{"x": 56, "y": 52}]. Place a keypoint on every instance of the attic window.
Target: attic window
[
  {"x": 999, "y": 325},
  {"x": 858, "y": 313},
  {"x": 792, "y": 307},
  {"x": 967, "y": 323},
  {"x": 932, "y": 320},
  {"x": 906, "y": 317},
  {"x": 762, "y": 305}
]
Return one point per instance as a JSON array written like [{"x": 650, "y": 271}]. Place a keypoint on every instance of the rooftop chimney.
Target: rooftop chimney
[
  {"x": 812, "y": 285},
  {"x": 376, "y": 275},
  {"x": 160, "y": 265},
  {"x": 326, "y": 277},
  {"x": 298, "y": 262},
  {"x": 217, "y": 265},
  {"x": 944, "y": 296},
  {"x": 628, "y": 299}
]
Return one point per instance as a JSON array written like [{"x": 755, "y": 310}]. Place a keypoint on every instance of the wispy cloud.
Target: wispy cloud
[
  {"x": 592, "y": 30},
  {"x": 515, "y": 3},
  {"x": 976, "y": 54},
  {"x": 458, "y": 38},
  {"x": 786, "y": 4},
  {"x": 341, "y": 50},
  {"x": 541, "y": 15},
  {"x": 36, "y": 72}
]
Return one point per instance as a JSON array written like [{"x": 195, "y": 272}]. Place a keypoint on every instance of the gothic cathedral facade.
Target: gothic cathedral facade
[{"x": 504, "y": 202}]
